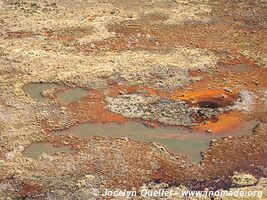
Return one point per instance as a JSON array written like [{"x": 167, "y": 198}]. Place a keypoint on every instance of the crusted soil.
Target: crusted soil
[{"x": 198, "y": 64}]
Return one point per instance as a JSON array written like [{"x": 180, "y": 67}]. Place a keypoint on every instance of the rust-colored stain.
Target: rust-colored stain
[
  {"x": 20, "y": 34},
  {"x": 223, "y": 123},
  {"x": 207, "y": 98},
  {"x": 92, "y": 109},
  {"x": 205, "y": 95},
  {"x": 29, "y": 189}
]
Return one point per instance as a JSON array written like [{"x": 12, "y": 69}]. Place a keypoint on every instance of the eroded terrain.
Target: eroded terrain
[{"x": 79, "y": 78}]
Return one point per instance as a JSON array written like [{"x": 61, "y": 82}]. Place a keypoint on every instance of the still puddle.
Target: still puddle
[
  {"x": 65, "y": 97},
  {"x": 178, "y": 140},
  {"x": 37, "y": 149},
  {"x": 35, "y": 89},
  {"x": 71, "y": 95}
]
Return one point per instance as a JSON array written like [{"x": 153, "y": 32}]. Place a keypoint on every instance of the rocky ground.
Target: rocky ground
[{"x": 199, "y": 64}]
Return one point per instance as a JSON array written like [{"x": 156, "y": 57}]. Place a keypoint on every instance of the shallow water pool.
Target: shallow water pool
[
  {"x": 178, "y": 140},
  {"x": 35, "y": 150}
]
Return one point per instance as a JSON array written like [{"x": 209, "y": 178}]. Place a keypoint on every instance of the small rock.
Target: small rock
[
  {"x": 228, "y": 90},
  {"x": 255, "y": 82},
  {"x": 123, "y": 92},
  {"x": 130, "y": 16},
  {"x": 159, "y": 146},
  {"x": 242, "y": 180},
  {"x": 209, "y": 131},
  {"x": 149, "y": 124}
]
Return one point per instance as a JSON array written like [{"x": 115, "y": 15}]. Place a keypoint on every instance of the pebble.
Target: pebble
[
  {"x": 228, "y": 90},
  {"x": 209, "y": 131}
]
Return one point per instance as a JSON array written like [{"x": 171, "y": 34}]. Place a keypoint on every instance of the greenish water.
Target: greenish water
[
  {"x": 37, "y": 149},
  {"x": 35, "y": 89},
  {"x": 177, "y": 140}
]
